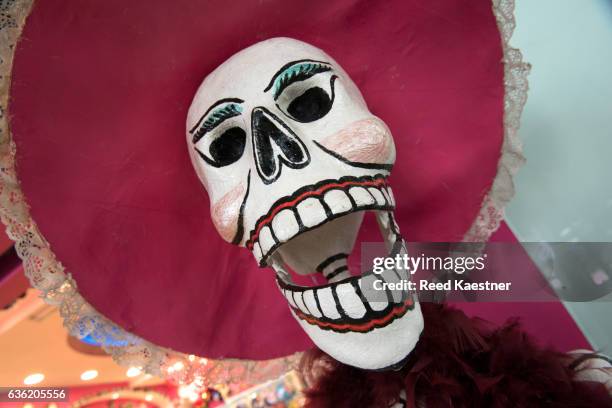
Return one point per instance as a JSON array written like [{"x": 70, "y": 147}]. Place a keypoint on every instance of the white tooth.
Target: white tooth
[
  {"x": 377, "y": 299},
  {"x": 380, "y": 199},
  {"x": 328, "y": 306},
  {"x": 385, "y": 194},
  {"x": 289, "y": 297},
  {"x": 311, "y": 303},
  {"x": 265, "y": 239},
  {"x": 311, "y": 212},
  {"x": 338, "y": 201},
  {"x": 285, "y": 225},
  {"x": 361, "y": 196},
  {"x": 391, "y": 196},
  {"x": 257, "y": 251},
  {"x": 390, "y": 277},
  {"x": 350, "y": 302},
  {"x": 300, "y": 302}
]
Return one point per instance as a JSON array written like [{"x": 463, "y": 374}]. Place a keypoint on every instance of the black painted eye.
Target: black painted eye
[
  {"x": 227, "y": 147},
  {"x": 309, "y": 100},
  {"x": 310, "y": 106}
]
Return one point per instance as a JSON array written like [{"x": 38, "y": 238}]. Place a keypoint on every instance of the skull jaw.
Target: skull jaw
[
  {"x": 385, "y": 348},
  {"x": 346, "y": 318}
]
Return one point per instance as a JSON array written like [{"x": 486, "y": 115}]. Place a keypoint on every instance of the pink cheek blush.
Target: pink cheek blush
[
  {"x": 364, "y": 141},
  {"x": 226, "y": 210}
]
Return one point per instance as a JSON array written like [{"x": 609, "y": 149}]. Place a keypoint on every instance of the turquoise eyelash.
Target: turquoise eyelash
[
  {"x": 216, "y": 117},
  {"x": 222, "y": 113},
  {"x": 299, "y": 72}
]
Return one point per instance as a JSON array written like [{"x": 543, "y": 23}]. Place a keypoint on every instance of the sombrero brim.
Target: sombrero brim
[{"x": 99, "y": 98}]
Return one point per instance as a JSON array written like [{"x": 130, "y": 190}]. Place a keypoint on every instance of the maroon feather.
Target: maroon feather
[{"x": 458, "y": 362}]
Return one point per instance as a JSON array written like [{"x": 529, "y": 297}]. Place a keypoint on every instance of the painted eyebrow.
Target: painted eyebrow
[
  {"x": 232, "y": 109},
  {"x": 296, "y": 71}
]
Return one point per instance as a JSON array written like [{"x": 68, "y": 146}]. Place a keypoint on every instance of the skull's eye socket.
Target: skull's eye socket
[
  {"x": 309, "y": 100},
  {"x": 229, "y": 146},
  {"x": 218, "y": 138},
  {"x": 310, "y": 106},
  {"x": 226, "y": 148}
]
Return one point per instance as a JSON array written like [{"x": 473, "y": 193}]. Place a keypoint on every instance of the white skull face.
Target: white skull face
[{"x": 291, "y": 158}]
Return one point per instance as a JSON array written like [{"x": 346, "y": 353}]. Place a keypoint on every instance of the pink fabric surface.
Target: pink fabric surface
[
  {"x": 99, "y": 98},
  {"x": 548, "y": 322}
]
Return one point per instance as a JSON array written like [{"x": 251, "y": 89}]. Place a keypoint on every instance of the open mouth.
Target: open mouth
[
  {"x": 324, "y": 220},
  {"x": 314, "y": 205},
  {"x": 352, "y": 304}
]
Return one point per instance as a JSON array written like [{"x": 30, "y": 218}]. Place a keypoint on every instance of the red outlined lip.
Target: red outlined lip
[
  {"x": 362, "y": 327},
  {"x": 322, "y": 306},
  {"x": 349, "y": 304},
  {"x": 381, "y": 200}
]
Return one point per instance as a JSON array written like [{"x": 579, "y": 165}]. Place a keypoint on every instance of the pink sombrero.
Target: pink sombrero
[{"x": 109, "y": 216}]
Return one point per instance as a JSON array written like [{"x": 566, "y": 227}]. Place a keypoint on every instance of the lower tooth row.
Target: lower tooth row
[
  {"x": 311, "y": 212},
  {"x": 320, "y": 302}
]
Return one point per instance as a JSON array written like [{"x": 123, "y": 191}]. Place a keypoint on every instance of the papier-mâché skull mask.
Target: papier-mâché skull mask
[{"x": 291, "y": 158}]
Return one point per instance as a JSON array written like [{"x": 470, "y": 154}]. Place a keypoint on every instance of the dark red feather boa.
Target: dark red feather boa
[{"x": 458, "y": 362}]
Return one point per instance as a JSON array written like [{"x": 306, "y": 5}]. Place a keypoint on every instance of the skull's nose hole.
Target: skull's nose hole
[
  {"x": 274, "y": 143},
  {"x": 262, "y": 127}
]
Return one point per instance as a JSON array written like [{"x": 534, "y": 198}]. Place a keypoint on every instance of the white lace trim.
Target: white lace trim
[
  {"x": 57, "y": 287},
  {"x": 516, "y": 86}
]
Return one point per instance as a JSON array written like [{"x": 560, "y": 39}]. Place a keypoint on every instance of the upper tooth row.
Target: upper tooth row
[
  {"x": 350, "y": 302},
  {"x": 311, "y": 212}
]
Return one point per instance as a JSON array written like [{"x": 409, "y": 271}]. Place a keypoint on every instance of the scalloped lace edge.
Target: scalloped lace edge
[
  {"x": 516, "y": 86},
  {"x": 57, "y": 287}
]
